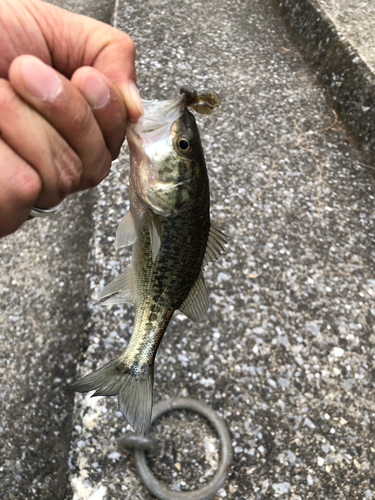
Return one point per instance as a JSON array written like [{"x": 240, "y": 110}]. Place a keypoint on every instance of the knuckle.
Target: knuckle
[
  {"x": 81, "y": 119},
  {"x": 115, "y": 139},
  {"x": 7, "y": 94},
  {"x": 127, "y": 41},
  {"x": 3, "y": 88},
  {"x": 4, "y": 85},
  {"x": 69, "y": 168},
  {"x": 26, "y": 187},
  {"x": 95, "y": 177}
]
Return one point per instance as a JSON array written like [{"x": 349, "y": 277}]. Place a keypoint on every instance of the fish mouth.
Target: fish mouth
[{"x": 159, "y": 115}]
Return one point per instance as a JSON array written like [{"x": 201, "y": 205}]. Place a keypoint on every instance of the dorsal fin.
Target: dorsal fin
[{"x": 215, "y": 245}]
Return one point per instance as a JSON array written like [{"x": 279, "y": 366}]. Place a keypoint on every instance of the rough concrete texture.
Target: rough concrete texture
[
  {"x": 43, "y": 294},
  {"x": 102, "y": 10},
  {"x": 42, "y": 319},
  {"x": 356, "y": 21},
  {"x": 286, "y": 353},
  {"x": 332, "y": 36}
]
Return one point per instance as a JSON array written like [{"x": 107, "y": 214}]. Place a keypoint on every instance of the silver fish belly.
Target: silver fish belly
[{"x": 169, "y": 226}]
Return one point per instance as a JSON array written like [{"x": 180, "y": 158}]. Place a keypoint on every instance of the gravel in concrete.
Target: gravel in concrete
[
  {"x": 355, "y": 21},
  {"x": 286, "y": 354},
  {"x": 42, "y": 320},
  {"x": 336, "y": 39},
  {"x": 43, "y": 295}
]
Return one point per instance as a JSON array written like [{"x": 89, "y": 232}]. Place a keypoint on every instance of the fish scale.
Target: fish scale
[
  {"x": 168, "y": 225},
  {"x": 163, "y": 292}
]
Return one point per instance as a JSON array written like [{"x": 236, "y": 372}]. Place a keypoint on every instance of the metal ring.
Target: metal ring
[
  {"x": 130, "y": 440},
  {"x": 44, "y": 212},
  {"x": 159, "y": 489}
]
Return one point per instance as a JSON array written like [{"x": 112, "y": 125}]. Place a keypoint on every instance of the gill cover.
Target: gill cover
[{"x": 165, "y": 151}]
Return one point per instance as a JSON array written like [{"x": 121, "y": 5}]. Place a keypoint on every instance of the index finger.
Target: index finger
[{"x": 74, "y": 41}]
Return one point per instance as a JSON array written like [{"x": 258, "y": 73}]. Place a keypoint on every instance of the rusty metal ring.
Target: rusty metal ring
[{"x": 159, "y": 489}]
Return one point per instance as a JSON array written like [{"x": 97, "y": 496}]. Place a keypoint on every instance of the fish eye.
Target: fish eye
[{"x": 183, "y": 144}]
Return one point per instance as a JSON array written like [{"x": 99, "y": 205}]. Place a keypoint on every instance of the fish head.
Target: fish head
[{"x": 167, "y": 161}]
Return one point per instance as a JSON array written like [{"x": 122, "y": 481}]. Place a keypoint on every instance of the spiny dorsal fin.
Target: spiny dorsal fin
[
  {"x": 124, "y": 288},
  {"x": 126, "y": 234},
  {"x": 196, "y": 303},
  {"x": 155, "y": 235},
  {"x": 215, "y": 245}
]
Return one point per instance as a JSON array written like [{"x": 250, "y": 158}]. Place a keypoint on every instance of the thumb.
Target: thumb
[{"x": 116, "y": 61}]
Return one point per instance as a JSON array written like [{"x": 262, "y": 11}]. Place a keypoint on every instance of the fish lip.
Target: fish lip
[
  {"x": 159, "y": 114},
  {"x": 163, "y": 106}
]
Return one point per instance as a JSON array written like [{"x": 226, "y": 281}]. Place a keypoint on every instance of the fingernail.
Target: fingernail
[
  {"x": 40, "y": 79},
  {"x": 96, "y": 92},
  {"x": 134, "y": 93}
]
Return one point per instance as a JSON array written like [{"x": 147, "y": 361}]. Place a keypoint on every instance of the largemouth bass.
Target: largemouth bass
[{"x": 169, "y": 226}]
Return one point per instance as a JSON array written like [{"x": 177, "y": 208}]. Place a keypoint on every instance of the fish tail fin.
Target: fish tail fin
[{"x": 133, "y": 385}]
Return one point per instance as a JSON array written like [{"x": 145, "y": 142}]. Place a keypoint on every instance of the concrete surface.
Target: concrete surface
[
  {"x": 286, "y": 355},
  {"x": 335, "y": 37},
  {"x": 43, "y": 308},
  {"x": 43, "y": 296},
  {"x": 356, "y": 22},
  {"x": 102, "y": 10}
]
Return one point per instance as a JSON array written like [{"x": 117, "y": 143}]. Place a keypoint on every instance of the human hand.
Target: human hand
[{"x": 67, "y": 89}]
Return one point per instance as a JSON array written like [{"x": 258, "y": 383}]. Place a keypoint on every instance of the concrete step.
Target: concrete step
[{"x": 336, "y": 38}]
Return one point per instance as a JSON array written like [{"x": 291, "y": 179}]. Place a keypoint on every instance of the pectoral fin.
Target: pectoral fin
[
  {"x": 196, "y": 303},
  {"x": 126, "y": 234},
  {"x": 215, "y": 245},
  {"x": 155, "y": 235},
  {"x": 121, "y": 290}
]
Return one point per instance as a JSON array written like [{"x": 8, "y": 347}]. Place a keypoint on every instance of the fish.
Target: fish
[{"x": 173, "y": 239}]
